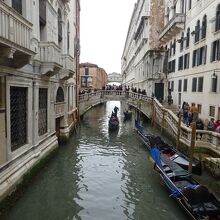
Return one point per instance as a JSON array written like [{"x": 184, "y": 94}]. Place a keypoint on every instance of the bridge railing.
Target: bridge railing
[
  {"x": 169, "y": 121},
  {"x": 164, "y": 117}
]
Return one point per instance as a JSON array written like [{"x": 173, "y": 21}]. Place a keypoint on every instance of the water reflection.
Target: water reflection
[{"x": 98, "y": 175}]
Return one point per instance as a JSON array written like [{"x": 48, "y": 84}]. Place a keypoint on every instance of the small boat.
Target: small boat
[
  {"x": 181, "y": 159},
  {"x": 113, "y": 122},
  {"x": 193, "y": 197},
  {"x": 127, "y": 114}
]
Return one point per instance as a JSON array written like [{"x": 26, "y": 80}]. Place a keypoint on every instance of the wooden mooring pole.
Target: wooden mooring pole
[
  {"x": 178, "y": 131},
  {"x": 193, "y": 139}
]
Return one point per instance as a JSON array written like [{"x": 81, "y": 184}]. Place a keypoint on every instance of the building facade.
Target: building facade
[
  {"x": 39, "y": 49},
  {"x": 191, "y": 35},
  {"x": 142, "y": 62},
  {"x": 92, "y": 77}
]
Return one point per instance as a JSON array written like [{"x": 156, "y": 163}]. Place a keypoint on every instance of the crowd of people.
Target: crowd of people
[{"x": 191, "y": 114}]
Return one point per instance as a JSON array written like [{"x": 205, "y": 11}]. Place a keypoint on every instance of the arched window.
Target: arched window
[
  {"x": 204, "y": 26},
  {"x": 197, "y": 31},
  {"x": 59, "y": 26},
  {"x": 182, "y": 41},
  {"x": 60, "y": 95},
  {"x": 68, "y": 36},
  {"x": 174, "y": 47},
  {"x": 217, "y": 24},
  {"x": 187, "y": 37}
]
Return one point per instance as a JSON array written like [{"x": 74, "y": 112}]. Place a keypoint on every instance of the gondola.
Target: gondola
[
  {"x": 127, "y": 114},
  {"x": 113, "y": 122},
  {"x": 181, "y": 159},
  {"x": 193, "y": 197}
]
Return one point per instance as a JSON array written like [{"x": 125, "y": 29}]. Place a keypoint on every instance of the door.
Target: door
[
  {"x": 159, "y": 91},
  {"x": 218, "y": 113}
]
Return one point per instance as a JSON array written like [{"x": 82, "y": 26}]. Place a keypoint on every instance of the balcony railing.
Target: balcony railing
[
  {"x": 67, "y": 62},
  {"x": 49, "y": 52},
  {"x": 50, "y": 57},
  {"x": 177, "y": 22},
  {"x": 14, "y": 29}
]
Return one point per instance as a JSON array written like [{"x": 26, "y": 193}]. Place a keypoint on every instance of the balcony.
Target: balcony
[
  {"x": 15, "y": 34},
  {"x": 50, "y": 58},
  {"x": 68, "y": 67},
  {"x": 173, "y": 27}
]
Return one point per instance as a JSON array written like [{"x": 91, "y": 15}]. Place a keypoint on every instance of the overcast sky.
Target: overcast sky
[{"x": 104, "y": 25}]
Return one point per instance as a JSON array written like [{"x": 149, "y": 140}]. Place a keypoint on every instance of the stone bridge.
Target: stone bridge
[{"x": 206, "y": 143}]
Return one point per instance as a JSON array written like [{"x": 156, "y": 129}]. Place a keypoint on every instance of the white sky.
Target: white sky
[{"x": 103, "y": 30}]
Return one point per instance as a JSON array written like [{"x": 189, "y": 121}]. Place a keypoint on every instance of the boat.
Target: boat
[
  {"x": 198, "y": 202},
  {"x": 113, "y": 122},
  {"x": 127, "y": 114},
  {"x": 172, "y": 153}
]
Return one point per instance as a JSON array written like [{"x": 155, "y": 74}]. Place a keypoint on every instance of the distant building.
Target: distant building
[
  {"x": 114, "y": 78},
  {"x": 92, "y": 77},
  {"x": 143, "y": 58},
  {"x": 191, "y": 35}
]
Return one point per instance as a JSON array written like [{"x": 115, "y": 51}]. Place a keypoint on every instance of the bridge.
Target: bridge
[
  {"x": 164, "y": 118},
  {"x": 114, "y": 77}
]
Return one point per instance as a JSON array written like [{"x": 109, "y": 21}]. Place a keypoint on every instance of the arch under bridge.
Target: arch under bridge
[{"x": 164, "y": 118}]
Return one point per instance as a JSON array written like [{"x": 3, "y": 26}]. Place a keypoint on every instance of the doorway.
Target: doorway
[{"x": 159, "y": 91}]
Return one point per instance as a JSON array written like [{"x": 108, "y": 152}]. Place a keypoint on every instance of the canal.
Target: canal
[{"x": 98, "y": 175}]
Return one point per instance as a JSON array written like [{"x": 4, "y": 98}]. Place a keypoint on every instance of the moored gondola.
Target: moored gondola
[
  {"x": 193, "y": 197},
  {"x": 181, "y": 159}
]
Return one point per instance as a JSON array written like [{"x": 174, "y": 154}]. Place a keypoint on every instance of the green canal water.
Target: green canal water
[{"x": 98, "y": 175}]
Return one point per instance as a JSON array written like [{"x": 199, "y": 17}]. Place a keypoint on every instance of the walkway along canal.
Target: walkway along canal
[{"x": 97, "y": 175}]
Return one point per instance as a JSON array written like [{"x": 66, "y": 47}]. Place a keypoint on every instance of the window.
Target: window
[
  {"x": 204, "y": 27},
  {"x": 182, "y": 42},
  {"x": 180, "y": 65},
  {"x": 201, "y": 58},
  {"x": 172, "y": 86},
  {"x": 189, "y": 4},
  {"x": 182, "y": 6},
  {"x": 186, "y": 61},
  {"x": 194, "y": 58},
  {"x": 185, "y": 85},
  {"x": 200, "y": 84},
  {"x": 170, "y": 48},
  {"x": 86, "y": 71},
  {"x": 199, "y": 106},
  {"x": 215, "y": 50},
  {"x": 68, "y": 36},
  {"x": 197, "y": 31},
  {"x": 174, "y": 47},
  {"x": 217, "y": 21},
  {"x": 18, "y": 116},
  {"x": 194, "y": 84},
  {"x": 42, "y": 113},
  {"x": 212, "y": 111},
  {"x": 60, "y": 95},
  {"x": 171, "y": 66},
  {"x": 180, "y": 86},
  {"x": 187, "y": 37},
  {"x": 60, "y": 35},
  {"x": 214, "y": 83},
  {"x": 17, "y": 5}
]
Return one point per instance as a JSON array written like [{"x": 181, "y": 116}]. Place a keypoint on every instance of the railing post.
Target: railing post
[
  {"x": 193, "y": 138},
  {"x": 178, "y": 131},
  {"x": 163, "y": 120}
]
